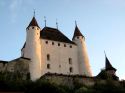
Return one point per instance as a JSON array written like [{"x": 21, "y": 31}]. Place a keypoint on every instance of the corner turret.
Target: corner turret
[
  {"x": 77, "y": 33},
  {"x": 83, "y": 60},
  {"x": 32, "y": 49}
]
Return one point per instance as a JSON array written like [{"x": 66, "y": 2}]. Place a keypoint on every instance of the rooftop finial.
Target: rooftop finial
[
  {"x": 34, "y": 13},
  {"x": 104, "y": 53},
  {"x": 45, "y": 20},
  {"x": 75, "y": 23},
  {"x": 56, "y": 24}
]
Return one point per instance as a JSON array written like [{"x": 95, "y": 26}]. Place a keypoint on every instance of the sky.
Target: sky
[{"x": 102, "y": 22}]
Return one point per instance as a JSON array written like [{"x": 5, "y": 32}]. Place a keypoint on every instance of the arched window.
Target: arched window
[
  {"x": 48, "y": 57},
  {"x": 70, "y": 69}
]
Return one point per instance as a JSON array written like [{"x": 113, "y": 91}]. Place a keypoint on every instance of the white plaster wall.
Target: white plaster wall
[
  {"x": 84, "y": 66},
  {"x": 59, "y": 56},
  {"x": 32, "y": 51}
]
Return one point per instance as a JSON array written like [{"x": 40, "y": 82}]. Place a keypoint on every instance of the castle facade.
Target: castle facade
[{"x": 51, "y": 51}]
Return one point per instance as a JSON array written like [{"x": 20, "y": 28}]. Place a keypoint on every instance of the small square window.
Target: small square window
[
  {"x": 58, "y": 44},
  {"x": 70, "y": 69},
  {"x": 48, "y": 66},
  {"x": 77, "y": 37},
  {"x": 70, "y": 46},
  {"x": 64, "y": 45},
  {"x": 48, "y": 57},
  {"x": 52, "y": 43},
  {"x": 70, "y": 60},
  {"x": 46, "y": 42},
  {"x": 59, "y": 66}
]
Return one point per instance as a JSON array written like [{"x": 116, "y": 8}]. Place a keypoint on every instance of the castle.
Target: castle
[
  {"x": 51, "y": 51},
  {"x": 48, "y": 50}
]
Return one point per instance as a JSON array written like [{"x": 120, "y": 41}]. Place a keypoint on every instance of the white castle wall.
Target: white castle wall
[
  {"x": 84, "y": 66},
  {"x": 59, "y": 57}
]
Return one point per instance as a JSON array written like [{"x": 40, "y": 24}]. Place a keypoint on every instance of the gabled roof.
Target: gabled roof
[
  {"x": 108, "y": 65},
  {"x": 77, "y": 32},
  {"x": 54, "y": 34},
  {"x": 33, "y": 22}
]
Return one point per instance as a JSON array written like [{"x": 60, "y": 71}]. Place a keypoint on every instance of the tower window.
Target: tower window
[
  {"x": 52, "y": 43},
  {"x": 70, "y": 46},
  {"x": 70, "y": 60},
  {"x": 32, "y": 27},
  {"x": 59, "y": 66},
  {"x": 46, "y": 42},
  {"x": 64, "y": 45},
  {"x": 58, "y": 44},
  {"x": 70, "y": 69},
  {"x": 48, "y": 66},
  {"x": 48, "y": 57},
  {"x": 77, "y": 37}
]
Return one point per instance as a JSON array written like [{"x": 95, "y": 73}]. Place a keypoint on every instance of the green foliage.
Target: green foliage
[{"x": 14, "y": 82}]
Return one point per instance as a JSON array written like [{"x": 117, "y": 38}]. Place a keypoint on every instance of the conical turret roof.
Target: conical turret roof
[
  {"x": 108, "y": 65},
  {"x": 77, "y": 32},
  {"x": 33, "y": 22}
]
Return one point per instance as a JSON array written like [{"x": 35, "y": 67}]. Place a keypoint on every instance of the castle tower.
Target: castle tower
[
  {"x": 33, "y": 49},
  {"x": 83, "y": 60}
]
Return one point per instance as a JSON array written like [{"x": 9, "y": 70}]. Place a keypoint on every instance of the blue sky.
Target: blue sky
[{"x": 102, "y": 22}]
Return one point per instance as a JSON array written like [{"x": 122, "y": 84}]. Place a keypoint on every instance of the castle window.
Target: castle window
[
  {"x": 64, "y": 45},
  {"x": 59, "y": 66},
  {"x": 70, "y": 69},
  {"x": 58, "y": 44},
  {"x": 70, "y": 60},
  {"x": 77, "y": 37},
  {"x": 48, "y": 57},
  {"x": 46, "y": 42},
  {"x": 48, "y": 66},
  {"x": 70, "y": 46},
  {"x": 32, "y": 27},
  {"x": 52, "y": 43}
]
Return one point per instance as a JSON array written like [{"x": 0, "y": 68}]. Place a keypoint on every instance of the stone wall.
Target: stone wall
[
  {"x": 69, "y": 80},
  {"x": 17, "y": 66}
]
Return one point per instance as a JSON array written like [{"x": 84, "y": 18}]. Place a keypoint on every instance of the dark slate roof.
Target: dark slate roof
[
  {"x": 33, "y": 22},
  {"x": 108, "y": 65},
  {"x": 54, "y": 34},
  {"x": 1, "y": 61},
  {"x": 77, "y": 32}
]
